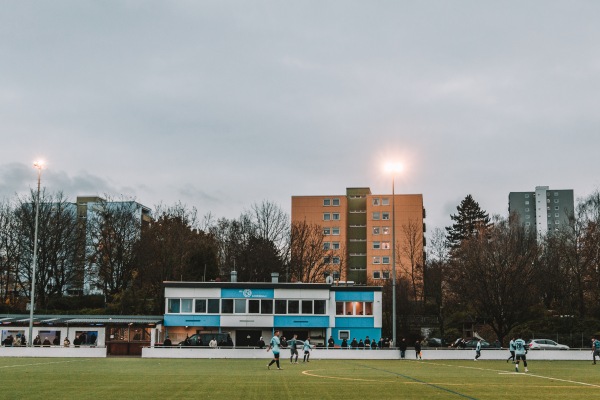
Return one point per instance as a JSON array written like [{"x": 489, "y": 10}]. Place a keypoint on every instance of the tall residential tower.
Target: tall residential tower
[{"x": 544, "y": 210}]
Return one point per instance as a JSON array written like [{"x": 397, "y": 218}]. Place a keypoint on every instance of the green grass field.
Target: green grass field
[{"x": 135, "y": 378}]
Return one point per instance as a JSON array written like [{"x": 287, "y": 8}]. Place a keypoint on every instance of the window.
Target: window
[
  {"x": 385, "y": 260},
  {"x": 186, "y": 305},
  {"x": 555, "y": 193},
  {"x": 375, "y": 201},
  {"x": 326, "y": 202},
  {"x": 213, "y": 306},
  {"x": 336, "y": 260},
  {"x": 335, "y": 231},
  {"x": 227, "y": 306},
  {"x": 336, "y": 216},
  {"x": 293, "y": 307},
  {"x": 326, "y": 245},
  {"x": 344, "y": 335},
  {"x": 307, "y": 307},
  {"x": 174, "y": 306},
  {"x": 326, "y": 216},
  {"x": 386, "y": 230},
  {"x": 527, "y": 202},
  {"x": 527, "y": 216},
  {"x": 556, "y": 208},
  {"x": 556, "y": 200},
  {"x": 556, "y": 222},
  {"x": 368, "y": 308},
  {"x": 376, "y": 245},
  {"x": 240, "y": 306},
  {"x": 327, "y": 260},
  {"x": 386, "y": 274},
  {"x": 326, "y": 231},
  {"x": 376, "y": 260},
  {"x": 359, "y": 308},
  {"x": 266, "y": 306},
  {"x": 527, "y": 209},
  {"x": 336, "y": 202},
  {"x": 253, "y": 306},
  {"x": 280, "y": 307},
  {"x": 385, "y": 245},
  {"x": 336, "y": 275},
  {"x": 526, "y": 195},
  {"x": 527, "y": 224},
  {"x": 385, "y": 201},
  {"x": 335, "y": 245},
  {"x": 320, "y": 306},
  {"x": 200, "y": 306},
  {"x": 385, "y": 216},
  {"x": 376, "y": 230},
  {"x": 376, "y": 216},
  {"x": 339, "y": 308},
  {"x": 376, "y": 275}
]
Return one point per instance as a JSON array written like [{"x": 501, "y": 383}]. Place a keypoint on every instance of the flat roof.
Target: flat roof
[
  {"x": 271, "y": 285},
  {"x": 23, "y": 319}
]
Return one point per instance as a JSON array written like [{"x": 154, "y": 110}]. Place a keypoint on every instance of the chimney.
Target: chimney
[
  {"x": 233, "y": 276},
  {"x": 274, "y": 277}
]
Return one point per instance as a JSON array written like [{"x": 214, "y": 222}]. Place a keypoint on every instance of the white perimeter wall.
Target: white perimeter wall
[{"x": 54, "y": 351}]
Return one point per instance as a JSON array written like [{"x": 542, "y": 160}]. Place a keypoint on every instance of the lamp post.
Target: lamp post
[
  {"x": 394, "y": 168},
  {"x": 38, "y": 165}
]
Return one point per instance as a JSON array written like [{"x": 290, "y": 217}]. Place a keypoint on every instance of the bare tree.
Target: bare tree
[
  {"x": 270, "y": 223},
  {"x": 410, "y": 257},
  {"x": 308, "y": 257}
]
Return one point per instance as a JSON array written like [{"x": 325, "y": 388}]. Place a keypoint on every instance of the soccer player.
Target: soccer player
[
  {"x": 520, "y": 352},
  {"x": 595, "y": 348},
  {"x": 274, "y": 344},
  {"x": 293, "y": 349},
  {"x": 511, "y": 348},
  {"x": 478, "y": 350},
  {"x": 306, "y": 349}
]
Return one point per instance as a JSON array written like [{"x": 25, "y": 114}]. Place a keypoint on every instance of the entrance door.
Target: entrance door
[{"x": 247, "y": 338}]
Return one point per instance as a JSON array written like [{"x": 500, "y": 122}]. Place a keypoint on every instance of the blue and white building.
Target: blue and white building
[{"x": 248, "y": 310}]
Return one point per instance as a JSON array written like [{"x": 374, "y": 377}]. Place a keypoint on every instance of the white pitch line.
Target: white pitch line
[{"x": 29, "y": 365}]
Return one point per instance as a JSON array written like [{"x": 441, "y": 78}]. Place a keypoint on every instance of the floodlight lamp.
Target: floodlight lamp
[{"x": 394, "y": 167}]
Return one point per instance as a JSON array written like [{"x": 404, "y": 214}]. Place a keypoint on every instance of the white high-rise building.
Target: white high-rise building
[{"x": 544, "y": 210}]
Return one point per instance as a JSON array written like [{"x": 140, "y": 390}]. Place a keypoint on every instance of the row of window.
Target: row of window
[
  {"x": 381, "y": 275},
  {"x": 556, "y": 208},
  {"x": 331, "y": 245},
  {"x": 331, "y": 216},
  {"x": 381, "y": 245},
  {"x": 547, "y": 194},
  {"x": 331, "y": 231},
  {"x": 384, "y": 201},
  {"x": 331, "y": 260},
  {"x": 354, "y": 308},
  {"x": 381, "y": 260},
  {"x": 245, "y": 306},
  {"x": 384, "y": 216},
  {"x": 331, "y": 202},
  {"x": 381, "y": 230}
]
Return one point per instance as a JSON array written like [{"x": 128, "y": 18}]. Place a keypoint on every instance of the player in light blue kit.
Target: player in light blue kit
[
  {"x": 274, "y": 344},
  {"x": 520, "y": 352},
  {"x": 306, "y": 349},
  {"x": 478, "y": 350},
  {"x": 595, "y": 348}
]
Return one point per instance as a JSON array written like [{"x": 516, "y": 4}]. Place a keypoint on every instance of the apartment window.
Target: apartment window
[
  {"x": 385, "y": 245},
  {"x": 326, "y": 231},
  {"x": 240, "y": 306},
  {"x": 213, "y": 306},
  {"x": 556, "y": 200},
  {"x": 527, "y": 223},
  {"x": 226, "y": 306},
  {"x": 326, "y": 216},
  {"x": 326, "y": 202},
  {"x": 527, "y": 216},
  {"x": 335, "y": 231},
  {"x": 527, "y": 210},
  {"x": 385, "y": 260},
  {"x": 376, "y": 275},
  {"x": 385, "y": 201},
  {"x": 386, "y": 274},
  {"x": 280, "y": 307},
  {"x": 336, "y": 202},
  {"x": 376, "y": 245},
  {"x": 186, "y": 305},
  {"x": 556, "y": 222},
  {"x": 335, "y": 260},
  {"x": 526, "y": 195},
  {"x": 385, "y": 216},
  {"x": 555, "y": 193},
  {"x": 174, "y": 306},
  {"x": 376, "y": 216},
  {"x": 336, "y": 216},
  {"x": 200, "y": 306},
  {"x": 386, "y": 230},
  {"x": 336, "y": 275},
  {"x": 327, "y": 260},
  {"x": 376, "y": 260},
  {"x": 293, "y": 307},
  {"x": 376, "y": 230},
  {"x": 376, "y": 201},
  {"x": 266, "y": 306},
  {"x": 526, "y": 202},
  {"x": 556, "y": 208},
  {"x": 556, "y": 215},
  {"x": 326, "y": 245},
  {"x": 335, "y": 245}
]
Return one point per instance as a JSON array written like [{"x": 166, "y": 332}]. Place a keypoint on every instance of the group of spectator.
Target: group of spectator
[
  {"x": 366, "y": 344},
  {"x": 18, "y": 341}
]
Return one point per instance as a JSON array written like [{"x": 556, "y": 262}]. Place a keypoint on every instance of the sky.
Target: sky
[{"x": 223, "y": 104}]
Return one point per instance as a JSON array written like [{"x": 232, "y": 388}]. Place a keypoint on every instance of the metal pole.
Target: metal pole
[
  {"x": 394, "y": 263},
  {"x": 33, "y": 264}
]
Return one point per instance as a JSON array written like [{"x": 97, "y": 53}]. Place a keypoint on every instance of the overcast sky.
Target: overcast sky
[{"x": 222, "y": 104}]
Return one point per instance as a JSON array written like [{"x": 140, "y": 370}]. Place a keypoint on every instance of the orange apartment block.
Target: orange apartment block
[{"x": 358, "y": 228}]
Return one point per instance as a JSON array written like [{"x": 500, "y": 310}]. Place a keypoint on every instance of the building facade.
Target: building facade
[
  {"x": 543, "y": 210},
  {"x": 358, "y": 228},
  {"x": 247, "y": 311}
]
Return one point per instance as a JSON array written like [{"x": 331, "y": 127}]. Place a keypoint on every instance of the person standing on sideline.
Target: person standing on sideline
[
  {"x": 331, "y": 342},
  {"x": 306, "y": 349},
  {"x": 595, "y": 348},
  {"x": 403, "y": 348},
  {"x": 213, "y": 343},
  {"x": 293, "y": 350},
  {"x": 418, "y": 350},
  {"x": 275, "y": 345},
  {"x": 520, "y": 353},
  {"x": 511, "y": 348},
  {"x": 477, "y": 350}
]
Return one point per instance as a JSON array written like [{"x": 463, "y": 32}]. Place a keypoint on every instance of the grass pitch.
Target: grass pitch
[{"x": 135, "y": 378}]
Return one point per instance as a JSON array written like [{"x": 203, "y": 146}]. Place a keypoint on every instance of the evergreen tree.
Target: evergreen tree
[{"x": 468, "y": 221}]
